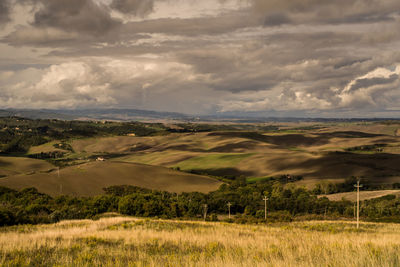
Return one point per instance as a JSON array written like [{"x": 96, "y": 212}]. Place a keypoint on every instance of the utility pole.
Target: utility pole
[
  {"x": 358, "y": 202},
  {"x": 58, "y": 174},
  {"x": 265, "y": 205},
  {"x": 229, "y": 208},
  {"x": 205, "y": 211}
]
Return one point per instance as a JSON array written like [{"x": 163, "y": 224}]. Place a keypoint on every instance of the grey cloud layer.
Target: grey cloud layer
[
  {"x": 4, "y": 11},
  {"x": 135, "y": 7},
  {"x": 325, "y": 11},
  {"x": 282, "y": 55}
]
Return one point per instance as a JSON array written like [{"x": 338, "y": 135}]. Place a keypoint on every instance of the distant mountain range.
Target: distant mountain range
[
  {"x": 94, "y": 114},
  {"x": 149, "y": 115}
]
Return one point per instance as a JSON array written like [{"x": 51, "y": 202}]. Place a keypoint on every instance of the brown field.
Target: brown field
[
  {"x": 124, "y": 241},
  {"x": 364, "y": 195},
  {"x": 19, "y": 165},
  {"x": 89, "y": 179}
]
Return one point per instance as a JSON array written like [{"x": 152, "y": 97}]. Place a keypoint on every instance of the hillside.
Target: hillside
[
  {"x": 89, "y": 179},
  {"x": 313, "y": 154},
  {"x": 127, "y": 241},
  {"x": 20, "y": 165}
]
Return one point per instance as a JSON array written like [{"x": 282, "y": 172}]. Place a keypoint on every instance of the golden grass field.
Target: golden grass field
[
  {"x": 89, "y": 179},
  {"x": 124, "y": 241}
]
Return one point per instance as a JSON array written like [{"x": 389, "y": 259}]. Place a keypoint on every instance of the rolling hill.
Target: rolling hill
[
  {"x": 20, "y": 165},
  {"x": 89, "y": 179},
  {"x": 315, "y": 155}
]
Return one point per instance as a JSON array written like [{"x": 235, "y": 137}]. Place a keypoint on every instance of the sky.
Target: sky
[{"x": 270, "y": 57}]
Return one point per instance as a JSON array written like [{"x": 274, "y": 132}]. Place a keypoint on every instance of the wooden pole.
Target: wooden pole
[
  {"x": 358, "y": 202},
  {"x": 205, "y": 211},
  {"x": 265, "y": 205},
  {"x": 58, "y": 174},
  {"x": 229, "y": 209}
]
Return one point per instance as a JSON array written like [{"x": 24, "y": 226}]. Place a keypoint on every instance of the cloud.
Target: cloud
[
  {"x": 136, "y": 7},
  {"x": 103, "y": 83},
  {"x": 4, "y": 11},
  {"x": 377, "y": 88},
  {"x": 40, "y": 36},
  {"x": 83, "y": 16},
  {"x": 327, "y": 11},
  {"x": 202, "y": 56}
]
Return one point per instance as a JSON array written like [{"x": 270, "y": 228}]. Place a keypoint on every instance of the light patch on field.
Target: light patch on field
[
  {"x": 364, "y": 195},
  {"x": 45, "y": 148}
]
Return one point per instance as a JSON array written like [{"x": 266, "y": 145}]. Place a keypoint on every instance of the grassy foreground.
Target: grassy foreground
[{"x": 124, "y": 241}]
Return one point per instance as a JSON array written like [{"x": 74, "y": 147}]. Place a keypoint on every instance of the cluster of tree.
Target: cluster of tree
[
  {"x": 374, "y": 147},
  {"x": 284, "y": 203}
]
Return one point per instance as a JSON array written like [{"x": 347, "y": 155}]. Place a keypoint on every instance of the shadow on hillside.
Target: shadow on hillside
[
  {"x": 342, "y": 165},
  {"x": 234, "y": 146},
  {"x": 288, "y": 140},
  {"x": 4, "y": 163},
  {"x": 293, "y": 140},
  {"x": 349, "y": 134},
  {"x": 221, "y": 172}
]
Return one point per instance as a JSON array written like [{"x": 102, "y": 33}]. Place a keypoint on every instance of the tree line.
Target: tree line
[{"x": 285, "y": 203}]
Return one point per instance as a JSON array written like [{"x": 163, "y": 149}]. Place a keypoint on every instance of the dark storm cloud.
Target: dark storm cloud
[
  {"x": 283, "y": 54},
  {"x": 4, "y": 11},
  {"x": 276, "y": 19},
  {"x": 82, "y": 16},
  {"x": 328, "y": 11},
  {"x": 365, "y": 83},
  {"x": 135, "y": 7}
]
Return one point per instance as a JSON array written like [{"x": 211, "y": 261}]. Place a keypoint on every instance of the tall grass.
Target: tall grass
[{"x": 137, "y": 242}]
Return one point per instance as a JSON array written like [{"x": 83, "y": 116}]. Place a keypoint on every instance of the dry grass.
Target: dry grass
[
  {"x": 364, "y": 195},
  {"x": 137, "y": 242}
]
